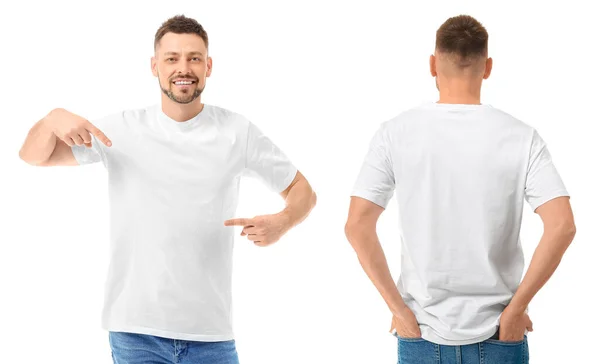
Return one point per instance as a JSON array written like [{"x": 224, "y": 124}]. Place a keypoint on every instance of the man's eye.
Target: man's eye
[
  {"x": 170, "y": 59},
  {"x": 196, "y": 59}
]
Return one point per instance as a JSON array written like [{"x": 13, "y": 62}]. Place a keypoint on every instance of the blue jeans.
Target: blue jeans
[
  {"x": 491, "y": 351},
  {"x": 129, "y": 348}
]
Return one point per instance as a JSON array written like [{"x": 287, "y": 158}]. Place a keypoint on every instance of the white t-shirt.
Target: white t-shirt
[
  {"x": 461, "y": 174},
  {"x": 171, "y": 187}
]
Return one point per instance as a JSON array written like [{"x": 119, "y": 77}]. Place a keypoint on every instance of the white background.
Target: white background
[{"x": 318, "y": 77}]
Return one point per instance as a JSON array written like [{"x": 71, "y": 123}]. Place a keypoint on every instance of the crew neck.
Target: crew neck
[
  {"x": 181, "y": 125},
  {"x": 459, "y": 106}
]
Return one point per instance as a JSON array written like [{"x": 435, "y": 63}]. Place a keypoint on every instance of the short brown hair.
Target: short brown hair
[
  {"x": 180, "y": 24},
  {"x": 464, "y": 37}
]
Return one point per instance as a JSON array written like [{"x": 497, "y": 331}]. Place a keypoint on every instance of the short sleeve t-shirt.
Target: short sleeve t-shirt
[
  {"x": 171, "y": 187},
  {"x": 461, "y": 174}
]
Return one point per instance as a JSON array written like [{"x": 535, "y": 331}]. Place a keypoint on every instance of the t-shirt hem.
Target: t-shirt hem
[
  {"x": 288, "y": 180},
  {"x": 548, "y": 198},
  {"x": 369, "y": 196},
  {"x": 167, "y": 334},
  {"x": 436, "y": 339}
]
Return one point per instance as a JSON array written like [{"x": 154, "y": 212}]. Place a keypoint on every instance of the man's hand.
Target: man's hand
[
  {"x": 73, "y": 129},
  {"x": 513, "y": 325},
  {"x": 406, "y": 324},
  {"x": 262, "y": 230}
]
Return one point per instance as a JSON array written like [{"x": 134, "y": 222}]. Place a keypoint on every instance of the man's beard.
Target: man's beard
[{"x": 183, "y": 98}]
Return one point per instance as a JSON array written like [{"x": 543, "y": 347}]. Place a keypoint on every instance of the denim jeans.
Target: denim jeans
[
  {"x": 491, "y": 351},
  {"x": 129, "y": 348}
]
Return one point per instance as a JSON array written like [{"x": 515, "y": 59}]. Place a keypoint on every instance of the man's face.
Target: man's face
[{"x": 181, "y": 64}]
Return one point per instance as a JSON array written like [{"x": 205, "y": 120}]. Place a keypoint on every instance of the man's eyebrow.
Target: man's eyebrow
[{"x": 194, "y": 53}]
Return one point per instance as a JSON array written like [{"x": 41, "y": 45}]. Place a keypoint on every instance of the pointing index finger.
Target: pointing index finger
[
  {"x": 238, "y": 222},
  {"x": 99, "y": 134}
]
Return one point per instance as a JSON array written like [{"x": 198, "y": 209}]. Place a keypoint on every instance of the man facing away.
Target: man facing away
[
  {"x": 174, "y": 171},
  {"x": 461, "y": 171}
]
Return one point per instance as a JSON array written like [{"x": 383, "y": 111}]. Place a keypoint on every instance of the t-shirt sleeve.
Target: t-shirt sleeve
[
  {"x": 84, "y": 155},
  {"x": 97, "y": 153},
  {"x": 543, "y": 183},
  {"x": 376, "y": 181},
  {"x": 266, "y": 161}
]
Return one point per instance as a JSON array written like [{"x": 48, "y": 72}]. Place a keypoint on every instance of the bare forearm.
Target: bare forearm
[
  {"x": 544, "y": 262},
  {"x": 299, "y": 201},
  {"x": 372, "y": 259},
  {"x": 39, "y": 144}
]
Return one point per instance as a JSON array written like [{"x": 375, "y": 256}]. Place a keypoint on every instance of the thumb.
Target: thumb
[
  {"x": 393, "y": 326},
  {"x": 529, "y": 325},
  {"x": 238, "y": 222}
]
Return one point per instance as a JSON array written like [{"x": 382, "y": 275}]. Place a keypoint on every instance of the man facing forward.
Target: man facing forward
[{"x": 174, "y": 171}]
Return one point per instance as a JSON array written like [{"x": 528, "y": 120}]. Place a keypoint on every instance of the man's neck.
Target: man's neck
[
  {"x": 459, "y": 99},
  {"x": 455, "y": 91},
  {"x": 181, "y": 112}
]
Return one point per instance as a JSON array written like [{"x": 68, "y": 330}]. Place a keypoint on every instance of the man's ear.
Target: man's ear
[
  {"x": 153, "y": 66},
  {"x": 208, "y": 66},
  {"x": 488, "y": 68},
  {"x": 432, "y": 65}
]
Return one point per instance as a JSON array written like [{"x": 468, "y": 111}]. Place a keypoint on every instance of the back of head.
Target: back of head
[{"x": 461, "y": 45}]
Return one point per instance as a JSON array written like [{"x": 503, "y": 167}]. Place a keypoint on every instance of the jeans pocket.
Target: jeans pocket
[
  {"x": 417, "y": 351},
  {"x": 408, "y": 339},
  {"x": 505, "y": 352},
  {"x": 505, "y": 343}
]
